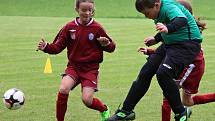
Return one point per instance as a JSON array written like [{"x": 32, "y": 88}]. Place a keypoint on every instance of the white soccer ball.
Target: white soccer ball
[{"x": 14, "y": 99}]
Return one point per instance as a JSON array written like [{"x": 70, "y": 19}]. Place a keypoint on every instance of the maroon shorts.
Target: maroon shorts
[
  {"x": 192, "y": 75},
  {"x": 87, "y": 78}
]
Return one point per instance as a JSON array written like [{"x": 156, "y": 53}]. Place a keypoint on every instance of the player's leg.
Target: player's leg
[
  {"x": 191, "y": 84},
  {"x": 68, "y": 82},
  {"x": 187, "y": 99},
  {"x": 177, "y": 57},
  {"x": 61, "y": 104},
  {"x": 89, "y": 83},
  {"x": 204, "y": 98},
  {"x": 139, "y": 87},
  {"x": 180, "y": 55},
  {"x": 94, "y": 103},
  {"x": 166, "y": 110},
  {"x": 187, "y": 102},
  {"x": 165, "y": 75}
]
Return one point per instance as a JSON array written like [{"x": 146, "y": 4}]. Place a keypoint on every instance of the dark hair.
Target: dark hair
[
  {"x": 80, "y": 1},
  {"x": 143, "y": 4}
]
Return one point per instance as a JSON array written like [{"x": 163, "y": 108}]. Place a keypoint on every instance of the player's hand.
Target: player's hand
[
  {"x": 42, "y": 44},
  {"x": 161, "y": 28},
  {"x": 104, "y": 41},
  {"x": 150, "y": 41},
  {"x": 146, "y": 51}
]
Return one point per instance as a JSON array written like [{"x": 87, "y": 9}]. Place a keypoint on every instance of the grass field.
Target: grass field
[
  {"x": 104, "y": 8},
  {"x": 22, "y": 67}
]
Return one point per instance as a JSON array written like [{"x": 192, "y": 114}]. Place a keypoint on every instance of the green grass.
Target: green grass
[
  {"x": 65, "y": 8},
  {"x": 22, "y": 67},
  {"x": 24, "y": 22},
  {"x": 204, "y": 8},
  {"x": 104, "y": 8}
]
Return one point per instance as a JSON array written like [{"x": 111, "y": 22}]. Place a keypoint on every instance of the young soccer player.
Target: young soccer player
[
  {"x": 85, "y": 40},
  {"x": 181, "y": 43},
  {"x": 190, "y": 79}
]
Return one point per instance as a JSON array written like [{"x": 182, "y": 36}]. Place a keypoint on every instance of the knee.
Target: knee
[
  {"x": 87, "y": 100},
  {"x": 64, "y": 89},
  {"x": 67, "y": 83}
]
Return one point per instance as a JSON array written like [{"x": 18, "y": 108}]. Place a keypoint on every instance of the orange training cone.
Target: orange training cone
[{"x": 48, "y": 67}]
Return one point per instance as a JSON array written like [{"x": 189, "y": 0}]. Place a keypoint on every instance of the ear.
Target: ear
[{"x": 157, "y": 4}]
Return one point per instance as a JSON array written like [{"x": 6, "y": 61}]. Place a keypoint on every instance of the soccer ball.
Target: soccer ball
[{"x": 13, "y": 99}]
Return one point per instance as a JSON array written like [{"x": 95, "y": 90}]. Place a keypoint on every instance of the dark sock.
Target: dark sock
[{"x": 61, "y": 106}]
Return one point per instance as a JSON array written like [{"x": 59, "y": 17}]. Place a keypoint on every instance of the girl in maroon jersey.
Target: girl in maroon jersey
[
  {"x": 85, "y": 40},
  {"x": 190, "y": 78}
]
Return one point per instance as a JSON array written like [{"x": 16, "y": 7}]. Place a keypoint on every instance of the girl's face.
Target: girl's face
[
  {"x": 152, "y": 13},
  {"x": 85, "y": 11}
]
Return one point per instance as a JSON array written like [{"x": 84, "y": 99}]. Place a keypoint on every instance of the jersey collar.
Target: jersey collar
[{"x": 77, "y": 23}]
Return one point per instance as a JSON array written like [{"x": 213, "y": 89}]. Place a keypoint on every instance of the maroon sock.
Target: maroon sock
[
  {"x": 166, "y": 110},
  {"x": 202, "y": 99},
  {"x": 61, "y": 106},
  {"x": 98, "y": 105}
]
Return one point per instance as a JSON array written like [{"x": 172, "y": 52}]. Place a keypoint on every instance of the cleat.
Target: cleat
[
  {"x": 184, "y": 116},
  {"x": 121, "y": 115},
  {"x": 105, "y": 115},
  {"x": 179, "y": 117}
]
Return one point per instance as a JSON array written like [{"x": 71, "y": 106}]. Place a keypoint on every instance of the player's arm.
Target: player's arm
[
  {"x": 57, "y": 46},
  {"x": 153, "y": 40},
  {"x": 173, "y": 26},
  {"x": 146, "y": 51},
  {"x": 105, "y": 41},
  {"x": 158, "y": 37},
  {"x": 176, "y": 24},
  {"x": 107, "y": 44}
]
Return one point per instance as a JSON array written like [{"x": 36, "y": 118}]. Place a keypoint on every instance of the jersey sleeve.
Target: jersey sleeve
[
  {"x": 110, "y": 47},
  {"x": 59, "y": 43}
]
